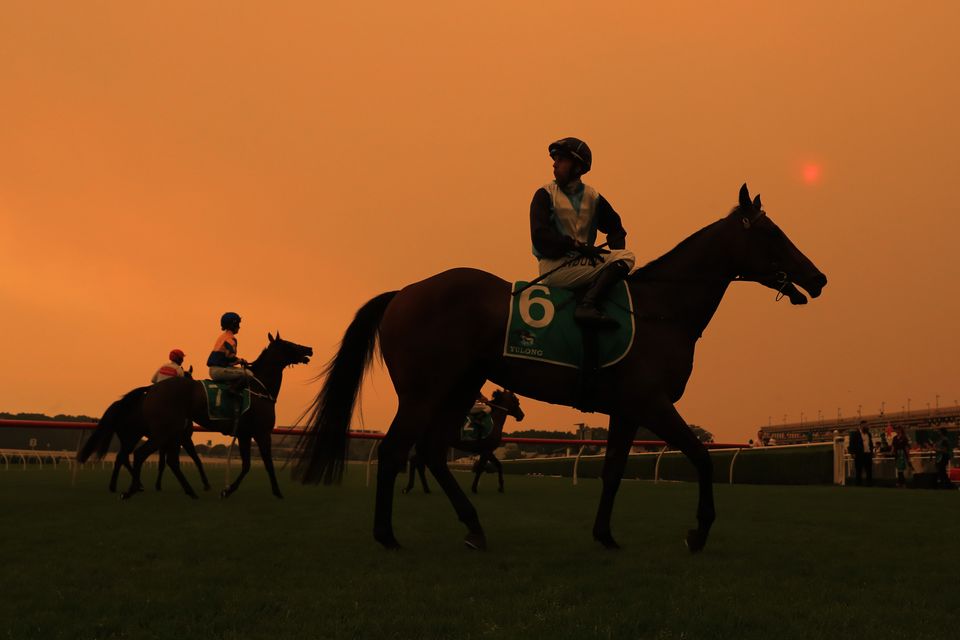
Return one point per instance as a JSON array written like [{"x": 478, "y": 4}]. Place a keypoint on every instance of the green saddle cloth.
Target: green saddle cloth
[
  {"x": 541, "y": 326},
  {"x": 475, "y": 431},
  {"x": 223, "y": 404}
]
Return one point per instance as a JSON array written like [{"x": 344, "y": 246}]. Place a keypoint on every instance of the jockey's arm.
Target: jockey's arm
[
  {"x": 608, "y": 223},
  {"x": 543, "y": 232}
]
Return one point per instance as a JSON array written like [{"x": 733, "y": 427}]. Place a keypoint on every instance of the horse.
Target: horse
[
  {"x": 170, "y": 405},
  {"x": 124, "y": 418},
  {"x": 503, "y": 403},
  {"x": 465, "y": 310}
]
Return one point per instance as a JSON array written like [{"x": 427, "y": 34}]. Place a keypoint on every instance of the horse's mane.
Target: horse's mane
[{"x": 645, "y": 271}]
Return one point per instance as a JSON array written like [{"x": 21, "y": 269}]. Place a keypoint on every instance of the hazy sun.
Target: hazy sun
[{"x": 811, "y": 173}]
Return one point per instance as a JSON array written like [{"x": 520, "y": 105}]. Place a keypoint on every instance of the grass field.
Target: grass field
[{"x": 782, "y": 562}]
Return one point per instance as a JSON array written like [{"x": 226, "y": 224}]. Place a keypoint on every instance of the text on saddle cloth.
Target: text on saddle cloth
[{"x": 541, "y": 327}]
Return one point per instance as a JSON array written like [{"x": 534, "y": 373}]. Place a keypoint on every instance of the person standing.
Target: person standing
[
  {"x": 943, "y": 456},
  {"x": 901, "y": 454}
]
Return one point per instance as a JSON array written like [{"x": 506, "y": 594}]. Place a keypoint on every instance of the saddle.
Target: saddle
[{"x": 223, "y": 403}]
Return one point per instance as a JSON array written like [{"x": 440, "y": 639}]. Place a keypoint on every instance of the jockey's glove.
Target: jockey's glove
[{"x": 593, "y": 254}]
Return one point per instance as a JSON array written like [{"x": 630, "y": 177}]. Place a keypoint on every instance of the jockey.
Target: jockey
[
  {"x": 478, "y": 414},
  {"x": 223, "y": 359},
  {"x": 173, "y": 369},
  {"x": 565, "y": 216}
]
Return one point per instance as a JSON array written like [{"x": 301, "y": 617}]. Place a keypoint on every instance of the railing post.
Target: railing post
[
  {"x": 839, "y": 461},
  {"x": 656, "y": 467},
  {"x": 576, "y": 463},
  {"x": 376, "y": 443},
  {"x": 732, "y": 461}
]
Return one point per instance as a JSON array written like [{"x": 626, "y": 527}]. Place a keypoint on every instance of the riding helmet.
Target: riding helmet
[
  {"x": 229, "y": 319},
  {"x": 176, "y": 355},
  {"x": 575, "y": 148}
]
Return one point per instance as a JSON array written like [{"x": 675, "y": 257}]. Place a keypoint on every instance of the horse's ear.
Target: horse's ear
[
  {"x": 745, "y": 196},
  {"x": 278, "y": 334},
  {"x": 270, "y": 336},
  {"x": 756, "y": 203}
]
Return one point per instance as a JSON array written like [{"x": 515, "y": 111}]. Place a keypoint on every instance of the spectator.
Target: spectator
[
  {"x": 901, "y": 455},
  {"x": 944, "y": 454},
  {"x": 861, "y": 448}
]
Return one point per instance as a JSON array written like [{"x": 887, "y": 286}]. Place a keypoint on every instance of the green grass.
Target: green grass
[{"x": 782, "y": 562}]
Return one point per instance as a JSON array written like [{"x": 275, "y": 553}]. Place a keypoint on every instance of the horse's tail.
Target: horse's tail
[
  {"x": 116, "y": 413},
  {"x": 323, "y": 446}
]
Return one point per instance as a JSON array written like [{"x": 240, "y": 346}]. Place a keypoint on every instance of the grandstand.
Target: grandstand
[{"x": 919, "y": 426}]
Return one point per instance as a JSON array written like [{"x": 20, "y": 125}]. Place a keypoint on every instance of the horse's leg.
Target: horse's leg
[
  {"x": 422, "y": 470},
  {"x": 140, "y": 454},
  {"x": 477, "y": 472},
  {"x": 499, "y": 467},
  {"x": 161, "y": 465},
  {"x": 173, "y": 459},
  {"x": 394, "y": 449},
  {"x": 413, "y": 462},
  {"x": 436, "y": 458},
  {"x": 191, "y": 450},
  {"x": 670, "y": 426},
  {"x": 243, "y": 444},
  {"x": 263, "y": 443},
  {"x": 122, "y": 460},
  {"x": 619, "y": 441}
]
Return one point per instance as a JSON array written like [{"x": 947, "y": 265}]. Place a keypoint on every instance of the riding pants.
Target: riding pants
[{"x": 579, "y": 271}]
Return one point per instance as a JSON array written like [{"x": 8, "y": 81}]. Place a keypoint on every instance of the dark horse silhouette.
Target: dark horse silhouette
[
  {"x": 502, "y": 403},
  {"x": 465, "y": 311},
  {"x": 124, "y": 418},
  {"x": 168, "y": 406}
]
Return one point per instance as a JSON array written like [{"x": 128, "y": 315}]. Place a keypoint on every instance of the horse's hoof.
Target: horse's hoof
[
  {"x": 278, "y": 495},
  {"x": 473, "y": 489},
  {"x": 389, "y": 542},
  {"x": 606, "y": 539},
  {"x": 500, "y": 490},
  {"x": 476, "y": 541},
  {"x": 113, "y": 489},
  {"x": 126, "y": 495},
  {"x": 206, "y": 487},
  {"x": 695, "y": 540},
  {"x": 225, "y": 493},
  {"x": 193, "y": 496},
  {"x": 157, "y": 489},
  {"x": 404, "y": 491}
]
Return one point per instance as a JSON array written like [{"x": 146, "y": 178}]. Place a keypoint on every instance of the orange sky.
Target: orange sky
[{"x": 163, "y": 163}]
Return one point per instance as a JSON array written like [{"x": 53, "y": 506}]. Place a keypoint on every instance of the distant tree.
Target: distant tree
[{"x": 702, "y": 434}]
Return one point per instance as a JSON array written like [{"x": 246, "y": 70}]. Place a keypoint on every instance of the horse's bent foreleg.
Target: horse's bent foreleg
[
  {"x": 477, "y": 472},
  {"x": 670, "y": 426},
  {"x": 191, "y": 450},
  {"x": 173, "y": 459},
  {"x": 619, "y": 441},
  {"x": 243, "y": 444},
  {"x": 140, "y": 455},
  {"x": 436, "y": 459}
]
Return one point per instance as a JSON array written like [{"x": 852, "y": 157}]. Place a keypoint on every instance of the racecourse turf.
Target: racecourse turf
[{"x": 782, "y": 562}]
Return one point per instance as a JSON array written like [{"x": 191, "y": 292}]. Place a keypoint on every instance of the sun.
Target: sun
[{"x": 811, "y": 172}]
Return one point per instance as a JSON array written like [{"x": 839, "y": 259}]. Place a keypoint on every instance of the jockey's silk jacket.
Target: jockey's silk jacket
[
  {"x": 224, "y": 352},
  {"x": 561, "y": 218}
]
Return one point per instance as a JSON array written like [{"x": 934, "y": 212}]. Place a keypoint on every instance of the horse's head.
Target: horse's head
[
  {"x": 288, "y": 353},
  {"x": 769, "y": 257},
  {"x": 509, "y": 401}
]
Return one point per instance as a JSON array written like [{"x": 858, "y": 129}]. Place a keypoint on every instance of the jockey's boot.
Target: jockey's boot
[{"x": 587, "y": 313}]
